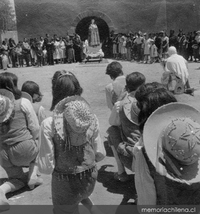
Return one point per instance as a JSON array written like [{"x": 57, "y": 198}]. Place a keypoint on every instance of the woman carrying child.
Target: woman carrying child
[{"x": 70, "y": 146}]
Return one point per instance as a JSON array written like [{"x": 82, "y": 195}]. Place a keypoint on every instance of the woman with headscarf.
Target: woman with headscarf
[{"x": 176, "y": 71}]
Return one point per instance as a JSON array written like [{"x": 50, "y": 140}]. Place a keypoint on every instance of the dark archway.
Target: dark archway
[{"x": 83, "y": 26}]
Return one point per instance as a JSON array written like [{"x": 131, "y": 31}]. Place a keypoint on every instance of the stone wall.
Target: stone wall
[{"x": 38, "y": 17}]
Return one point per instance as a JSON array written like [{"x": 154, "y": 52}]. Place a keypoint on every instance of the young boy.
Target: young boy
[
  {"x": 124, "y": 131},
  {"x": 18, "y": 51},
  {"x": 39, "y": 54},
  {"x": 153, "y": 52}
]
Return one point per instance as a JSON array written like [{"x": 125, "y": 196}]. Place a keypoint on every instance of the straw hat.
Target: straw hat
[
  {"x": 74, "y": 120},
  {"x": 6, "y": 105},
  {"x": 172, "y": 142},
  {"x": 130, "y": 108}
]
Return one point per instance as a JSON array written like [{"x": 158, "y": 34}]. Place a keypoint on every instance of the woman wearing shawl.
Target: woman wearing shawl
[
  {"x": 71, "y": 146},
  {"x": 176, "y": 71}
]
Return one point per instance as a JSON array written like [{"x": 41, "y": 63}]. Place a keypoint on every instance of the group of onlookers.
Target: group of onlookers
[
  {"x": 150, "y": 133},
  {"x": 152, "y": 47},
  {"x": 67, "y": 144},
  {"x": 41, "y": 51},
  {"x": 141, "y": 47}
]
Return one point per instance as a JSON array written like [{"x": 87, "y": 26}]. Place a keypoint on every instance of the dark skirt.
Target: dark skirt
[{"x": 69, "y": 190}]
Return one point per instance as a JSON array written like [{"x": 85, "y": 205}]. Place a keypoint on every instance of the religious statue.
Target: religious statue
[{"x": 93, "y": 36}]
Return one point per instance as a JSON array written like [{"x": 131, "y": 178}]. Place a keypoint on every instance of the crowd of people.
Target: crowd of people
[
  {"x": 41, "y": 51},
  {"x": 140, "y": 47},
  {"x": 68, "y": 145},
  {"x": 152, "y": 47}
]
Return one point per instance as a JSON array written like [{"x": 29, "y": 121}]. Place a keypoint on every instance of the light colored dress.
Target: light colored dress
[
  {"x": 153, "y": 51},
  {"x": 62, "y": 50},
  {"x": 123, "y": 47},
  {"x": 56, "y": 53},
  {"x": 147, "y": 46}
]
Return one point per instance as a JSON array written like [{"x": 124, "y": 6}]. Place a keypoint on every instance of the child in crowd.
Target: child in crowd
[
  {"x": 5, "y": 61},
  {"x": 39, "y": 54},
  {"x": 70, "y": 146},
  {"x": 124, "y": 131},
  {"x": 18, "y": 51},
  {"x": 33, "y": 90},
  {"x": 147, "y": 45},
  {"x": 116, "y": 87},
  {"x": 153, "y": 52},
  {"x": 44, "y": 56}
]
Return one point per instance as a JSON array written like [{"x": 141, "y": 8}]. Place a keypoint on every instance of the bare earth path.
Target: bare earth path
[{"x": 93, "y": 80}]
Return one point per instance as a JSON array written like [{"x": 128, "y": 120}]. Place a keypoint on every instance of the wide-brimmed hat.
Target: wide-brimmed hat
[
  {"x": 171, "y": 138},
  {"x": 130, "y": 108},
  {"x": 74, "y": 120},
  {"x": 6, "y": 105}
]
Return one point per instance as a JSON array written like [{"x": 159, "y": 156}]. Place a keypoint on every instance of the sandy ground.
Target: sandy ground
[{"x": 93, "y": 80}]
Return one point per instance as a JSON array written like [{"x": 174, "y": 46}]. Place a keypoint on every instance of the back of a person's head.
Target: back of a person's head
[
  {"x": 9, "y": 82},
  {"x": 172, "y": 50},
  {"x": 134, "y": 80},
  {"x": 149, "y": 97},
  {"x": 13, "y": 77},
  {"x": 31, "y": 88},
  {"x": 146, "y": 88},
  {"x": 114, "y": 69},
  {"x": 64, "y": 84}
]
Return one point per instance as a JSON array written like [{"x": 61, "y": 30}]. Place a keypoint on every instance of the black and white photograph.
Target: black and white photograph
[{"x": 99, "y": 106}]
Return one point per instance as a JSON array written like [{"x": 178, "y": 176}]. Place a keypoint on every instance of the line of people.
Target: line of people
[
  {"x": 152, "y": 47},
  {"x": 67, "y": 145},
  {"x": 41, "y": 51},
  {"x": 154, "y": 132},
  {"x": 141, "y": 47}
]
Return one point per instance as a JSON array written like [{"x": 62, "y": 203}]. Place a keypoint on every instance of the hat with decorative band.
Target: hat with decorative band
[
  {"x": 171, "y": 138},
  {"x": 73, "y": 119},
  {"x": 6, "y": 105}
]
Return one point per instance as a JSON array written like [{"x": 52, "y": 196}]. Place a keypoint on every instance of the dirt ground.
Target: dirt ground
[{"x": 93, "y": 80}]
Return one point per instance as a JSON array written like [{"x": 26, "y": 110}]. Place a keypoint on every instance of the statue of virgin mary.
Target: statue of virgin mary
[{"x": 93, "y": 35}]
